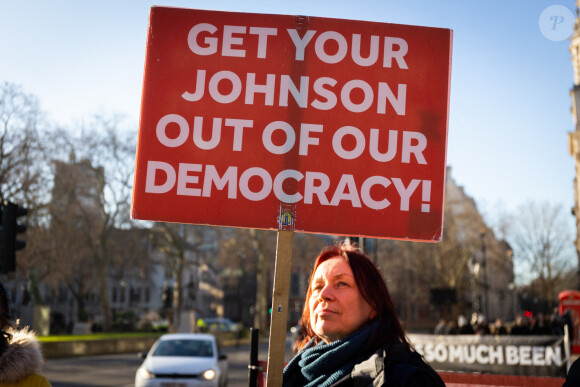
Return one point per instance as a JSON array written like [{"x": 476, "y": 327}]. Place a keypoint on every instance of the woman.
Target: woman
[
  {"x": 350, "y": 332},
  {"x": 20, "y": 356}
]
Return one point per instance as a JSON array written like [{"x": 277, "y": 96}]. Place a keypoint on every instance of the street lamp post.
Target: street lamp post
[
  {"x": 485, "y": 277},
  {"x": 475, "y": 300},
  {"x": 512, "y": 288}
]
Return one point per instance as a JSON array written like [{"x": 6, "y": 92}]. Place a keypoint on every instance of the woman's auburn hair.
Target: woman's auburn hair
[{"x": 372, "y": 287}]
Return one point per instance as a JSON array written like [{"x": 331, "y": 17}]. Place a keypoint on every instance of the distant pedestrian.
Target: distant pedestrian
[
  {"x": 20, "y": 356},
  {"x": 540, "y": 326},
  {"x": 482, "y": 327},
  {"x": 441, "y": 327},
  {"x": 520, "y": 327},
  {"x": 451, "y": 328},
  {"x": 463, "y": 326},
  {"x": 568, "y": 321},
  {"x": 498, "y": 328},
  {"x": 556, "y": 327},
  {"x": 201, "y": 325}
]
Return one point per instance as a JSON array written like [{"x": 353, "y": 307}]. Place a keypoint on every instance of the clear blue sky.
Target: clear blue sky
[{"x": 510, "y": 102}]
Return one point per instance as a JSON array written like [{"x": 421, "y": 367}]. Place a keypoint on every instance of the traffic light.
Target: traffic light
[{"x": 10, "y": 227}]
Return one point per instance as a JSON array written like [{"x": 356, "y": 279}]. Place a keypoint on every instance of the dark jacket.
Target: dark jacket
[
  {"x": 393, "y": 365},
  {"x": 573, "y": 377}
]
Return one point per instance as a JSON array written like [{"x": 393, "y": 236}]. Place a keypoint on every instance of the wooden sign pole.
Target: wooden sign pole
[{"x": 277, "y": 343}]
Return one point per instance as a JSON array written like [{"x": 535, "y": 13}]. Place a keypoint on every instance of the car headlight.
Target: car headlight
[
  {"x": 144, "y": 373},
  {"x": 209, "y": 375}
]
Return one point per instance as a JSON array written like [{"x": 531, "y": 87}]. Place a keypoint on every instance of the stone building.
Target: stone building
[
  {"x": 488, "y": 275},
  {"x": 574, "y": 136},
  {"x": 139, "y": 277},
  {"x": 469, "y": 272}
]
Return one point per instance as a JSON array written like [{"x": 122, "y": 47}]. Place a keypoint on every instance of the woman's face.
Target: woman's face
[{"x": 337, "y": 307}]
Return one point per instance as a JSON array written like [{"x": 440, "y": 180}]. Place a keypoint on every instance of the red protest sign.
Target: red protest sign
[{"x": 288, "y": 122}]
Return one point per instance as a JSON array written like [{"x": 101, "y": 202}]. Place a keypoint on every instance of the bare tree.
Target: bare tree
[
  {"x": 237, "y": 261},
  {"x": 91, "y": 201},
  {"x": 262, "y": 241},
  {"x": 25, "y": 177},
  {"x": 252, "y": 252},
  {"x": 174, "y": 240},
  {"x": 543, "y": 242},
  {"x": 20, "y": 145},
  {"x": 77, "y": 187}
]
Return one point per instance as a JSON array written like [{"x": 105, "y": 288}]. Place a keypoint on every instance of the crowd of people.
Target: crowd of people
[{"x": 541, "y": 324}]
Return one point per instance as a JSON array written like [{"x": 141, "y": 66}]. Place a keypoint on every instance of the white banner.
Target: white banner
[{"x": 506, "y": 355}]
